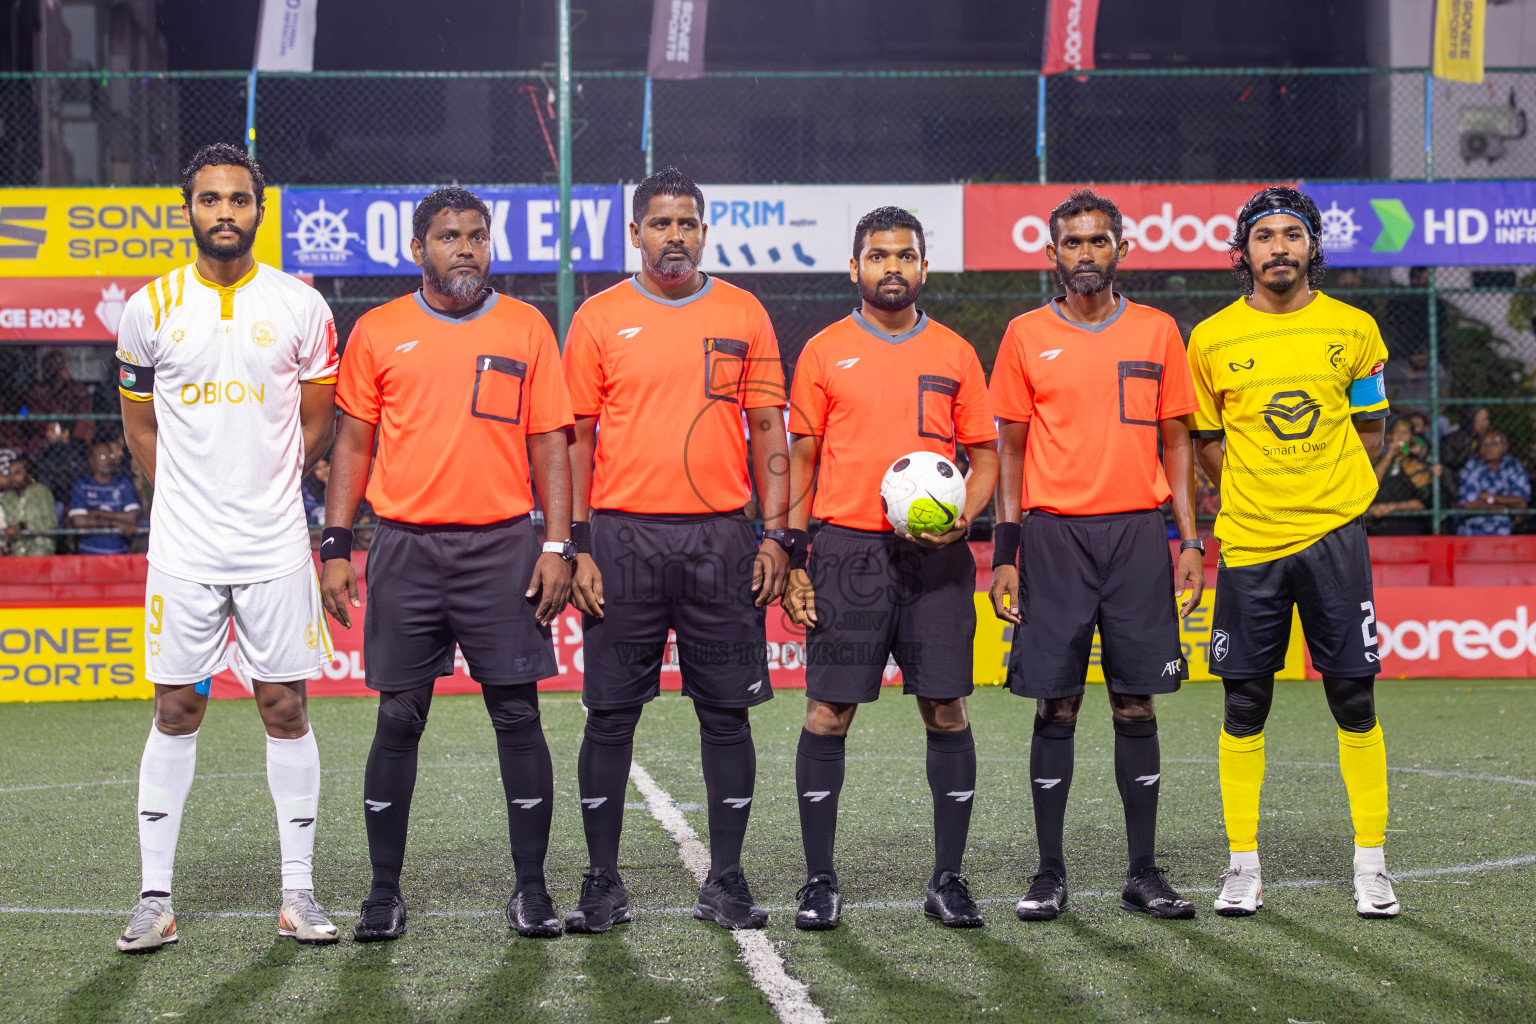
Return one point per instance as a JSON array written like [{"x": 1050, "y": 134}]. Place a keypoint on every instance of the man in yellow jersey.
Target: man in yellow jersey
[{"x": 1292, "y": 380}]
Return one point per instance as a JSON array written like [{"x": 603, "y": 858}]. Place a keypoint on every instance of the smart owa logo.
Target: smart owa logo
[{"x": 1292, "y": 415}]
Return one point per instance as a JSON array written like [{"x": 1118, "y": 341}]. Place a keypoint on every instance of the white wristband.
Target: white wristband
[{"x": 554, "y": 547}]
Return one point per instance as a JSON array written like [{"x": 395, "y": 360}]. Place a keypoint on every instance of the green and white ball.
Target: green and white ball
[{"x": 922, "y": 493}]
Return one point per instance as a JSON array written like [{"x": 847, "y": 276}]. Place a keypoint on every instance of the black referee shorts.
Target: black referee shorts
[
  {"x": 1112, "y": 572},
  {"x": 431, "y": 587},
  {"x": 879, "y": 597},
  {"x": 688, "y": 573},
  {"x": 1329, "y": 584}
]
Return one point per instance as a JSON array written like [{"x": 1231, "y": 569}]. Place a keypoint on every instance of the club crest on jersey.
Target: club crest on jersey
[
  {"x": 1220, "y": 642},
  {"x": 264, "y": 333},
  {"x": 312, "y": 635},
  {"x": 1292, "y": 415},
  {"x": 1336, "y": 356}
]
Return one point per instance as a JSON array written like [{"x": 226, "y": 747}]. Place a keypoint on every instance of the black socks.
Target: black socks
[
  {"x": 389, "y": 780},
  {"x": 819, "y": 780},
  {"x": 730, "y": 776},
  {"x": 602, "y": 773},
  {"x": 952, "y": 780},
  {"x": 1138, "y": 768},
  {"x": 526, "y": 775},
  {"x": 1051, "y": 753}
]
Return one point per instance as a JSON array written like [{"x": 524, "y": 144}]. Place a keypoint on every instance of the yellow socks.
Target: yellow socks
[
  {"x": 1241, "y": 767},
  {"x": 1363, "y": 763}
]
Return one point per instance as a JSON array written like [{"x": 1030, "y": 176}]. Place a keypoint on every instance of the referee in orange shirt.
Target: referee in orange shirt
[
  {"x": 461, "y": 388},
  {"x": 662, "y": 368},
  {"x": 1083, "y": 388}
]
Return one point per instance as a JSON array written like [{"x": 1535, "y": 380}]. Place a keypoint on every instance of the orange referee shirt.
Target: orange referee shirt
[
  {"x": 1094, "y": 396},
  {"x": 455, "y": 401},
  {"x": 668, "y": 380},
  {"x": 873, "y": 397}
]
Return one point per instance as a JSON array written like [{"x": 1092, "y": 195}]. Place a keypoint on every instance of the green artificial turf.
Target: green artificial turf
[{"x": 1463, "y": 758}]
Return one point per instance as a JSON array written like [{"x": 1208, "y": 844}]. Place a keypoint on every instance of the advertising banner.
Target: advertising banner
[
  {"x": 285, "y": 35},
  {"x": 1169, "y": 227},
  {"x": 677, "y": 39},
  {"x": 1428, "y": 223},
  {"x": 108, "y": 232},
  {"x": 1069, "y": 30},
  {"x": 54, "y": 310},
  {"x": 367, "y": 231},
  {"x": 1460, "y": 633},
  {"x": 1460, "y": 26},
  {"x": 808, "y": 229},
  {"x": 49, "y": 654}
]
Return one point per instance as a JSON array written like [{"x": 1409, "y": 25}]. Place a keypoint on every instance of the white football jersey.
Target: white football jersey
[{"x": 226, "y": 367}]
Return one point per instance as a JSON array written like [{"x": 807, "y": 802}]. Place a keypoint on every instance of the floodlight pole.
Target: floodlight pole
[{"x": 565, "y": 279}]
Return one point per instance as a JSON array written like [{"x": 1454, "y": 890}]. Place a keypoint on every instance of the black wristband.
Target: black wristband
[
  {"x": 1005, "y": 544},
  {"x": 581, "y": 536},
  {"x": 335, "y": 542},
  {"x": 799, "y": 548}
]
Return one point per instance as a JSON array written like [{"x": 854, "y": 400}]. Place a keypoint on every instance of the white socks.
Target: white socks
[
  {"x": 1370, "y": 858},
  {"x": 1245, "y": 859},
  {"x": 165, "y": 776},
  {"x": 293, "y": 776}
]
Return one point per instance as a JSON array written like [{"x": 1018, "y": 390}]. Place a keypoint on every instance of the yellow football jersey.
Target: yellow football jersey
[{"x": 1283, "y": 389}]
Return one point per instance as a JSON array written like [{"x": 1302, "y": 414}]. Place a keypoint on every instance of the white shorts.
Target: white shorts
[{"x": 279, "y": 628}]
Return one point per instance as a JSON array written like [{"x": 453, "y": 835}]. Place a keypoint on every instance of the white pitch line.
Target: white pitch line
[
  {"x": 790, "y": 998},
  {"x": 1524, "y": 860}
]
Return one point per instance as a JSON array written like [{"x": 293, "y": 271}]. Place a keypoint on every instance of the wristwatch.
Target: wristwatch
[
  {"x": 781, "y": 538},
  {"x": 566, "y": 549},
  {"x": 1193, "y": 542}
]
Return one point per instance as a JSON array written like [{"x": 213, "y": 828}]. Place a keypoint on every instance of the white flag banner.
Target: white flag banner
[{"x": 285, "y": 35}]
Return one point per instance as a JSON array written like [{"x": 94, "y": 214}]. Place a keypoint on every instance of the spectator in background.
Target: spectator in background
[
  {"x": 57, "y": 392},
  {"x": 1461, "y": 445},
  {"x": 313, "y": 492},
  {"x": 26, "y": 505},
  {"x": 63, "y": 460},
  {"x": 1408, "y": 377},
  {"x": 104, "y": 499},
  {"x": 1494, "y": 481},
  {"x": 1407, "y": 320},
  {"x": 1406, "y": 481}
]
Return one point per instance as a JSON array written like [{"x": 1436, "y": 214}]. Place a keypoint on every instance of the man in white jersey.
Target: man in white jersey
[{"x": 227, "y": 372}]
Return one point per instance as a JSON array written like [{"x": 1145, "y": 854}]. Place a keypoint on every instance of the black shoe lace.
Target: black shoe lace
[
  {"x": 1153, "y": 884},
  {"x": 1042, "y": 885},
  {"x": 958, "y": 885},
  {"x": 378, "y": 911},
  {"x": 734, "y": 887},
  {"x": 537, "y": 906},
  {"x": 819, "y": 882},
  {"x": 595, "y": 887}
]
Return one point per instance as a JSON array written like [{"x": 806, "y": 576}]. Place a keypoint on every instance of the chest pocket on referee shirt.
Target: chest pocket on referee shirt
[
  {"x": 936, "y": 407},
  {"x": 725, "y": 367},
  {"x": 1141, "y": 392},
  {"x": 498, "y": 389}
]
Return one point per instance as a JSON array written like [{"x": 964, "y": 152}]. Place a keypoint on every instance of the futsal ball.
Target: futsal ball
[{"x": 922, "y": 493}]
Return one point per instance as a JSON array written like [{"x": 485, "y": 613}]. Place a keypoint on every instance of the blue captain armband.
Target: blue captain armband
[{"x": 1369, "y": 391}]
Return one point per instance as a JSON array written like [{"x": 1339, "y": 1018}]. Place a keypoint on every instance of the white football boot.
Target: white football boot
[
  {"x": 1373, "y": 894},
  {"x": 152, "y": 925},
  {"x": 1242, "y": 892},
  {"x": 303, "y": 919}
]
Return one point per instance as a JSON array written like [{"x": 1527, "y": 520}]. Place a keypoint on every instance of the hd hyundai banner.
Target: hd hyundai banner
[{"x": 346, "y": 232}]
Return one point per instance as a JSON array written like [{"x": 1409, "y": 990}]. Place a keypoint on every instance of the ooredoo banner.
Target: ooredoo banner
[
  {"x": 1456, "y": 632},
  {"x": 1170, "y": 227}
]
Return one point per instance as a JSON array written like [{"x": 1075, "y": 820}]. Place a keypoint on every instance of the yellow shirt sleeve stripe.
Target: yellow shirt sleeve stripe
[{"x": 135, "y": 396}]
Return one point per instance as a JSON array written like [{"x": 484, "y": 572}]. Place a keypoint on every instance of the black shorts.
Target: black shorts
[
  {"x": 431, "y": 587},
  {"x": 880, "y": 597},
  {"x": 1328, "y": 582},
  {"x": 687, "y": 573},
  {"x": 1112, "y": 572}
]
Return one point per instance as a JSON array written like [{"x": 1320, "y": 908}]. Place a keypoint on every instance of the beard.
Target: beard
[
  {"x": 458, "y": 287},
  {"x": 223, "y": 247},
  {"x": 671, "y": 271},
  {"x": 1086, "y": 281},
  {"x": 890, "y": 301}
]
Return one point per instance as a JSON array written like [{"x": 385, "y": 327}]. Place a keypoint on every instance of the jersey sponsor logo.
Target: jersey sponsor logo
[
  {"x": 1376, "y": 368},
  {"x": 1292, "y": 415},
  {"x": 737, "y": 802},
  {"x": 1220, "y": 643},
  {"x": 377, "y": 805},
  {"x": 846, "y": 364},
  {"x": 1048, "y": 783},
  {"x": 1050, "y": 353},
  {"x": 1336, "y": 356},
  {"x": 1147, "y": 780},
  {"x": 264, "y": 333},
  {"x": 408, "y": 346},
  {"x": 1238, "y": 367},
  {"x": 231, "y": 392},
  {"x": 629, "y": 332},
  {"x": 961, "y": 795}
]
